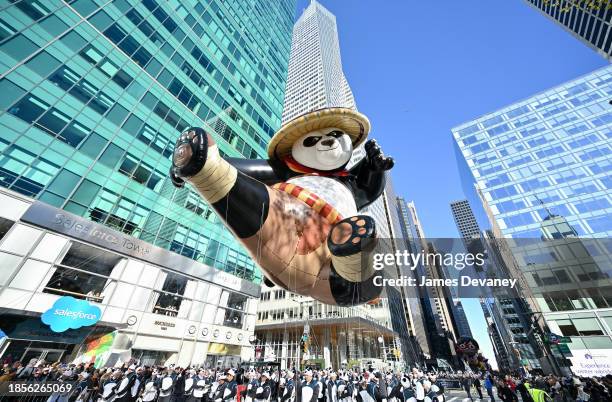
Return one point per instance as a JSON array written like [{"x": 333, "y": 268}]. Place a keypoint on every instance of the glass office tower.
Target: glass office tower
[
  {"x": 94, "y": 93},
  {"x": 542, "y": 170},
  {"x": 548, "y": 152}
]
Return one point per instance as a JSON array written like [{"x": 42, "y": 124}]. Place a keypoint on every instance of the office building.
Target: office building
[
  {"x": 339, "y": 337},
  {"x": 500, "y": 348},
  {"x": 506, "y": 316},
  {"x": 156, "y": 306},
  {"x": 588, "y": 21},
  {"x": 465, "y": 220},
  {"x": 405, "y": 308},
  {"x": 315, "y": 79},
  {"x": 546, "y": 153},
  {"x": 438, "y": 335},
  {"x": 541, "y": 168},
  {"x": 92, "y": 99},
  {"x": 463, "y": 326}
]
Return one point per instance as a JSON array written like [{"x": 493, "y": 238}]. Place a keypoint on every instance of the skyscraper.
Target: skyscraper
[
  {"x": 589, "y": 21},
  {"x": 461, "y": 321},
  {"x": 497, "y": 341},
  {"x": 548, "y": 153},
  {"x": 465, "y": 220},
  {"x": 439, "y": 333},
  {"x": 92, "y": 98},
  {"x": 316, "y": 79},
  {"x": 505, "y": 315},
  {"x": 541, "y": 167},
  {"x": 90, "y": 109}
]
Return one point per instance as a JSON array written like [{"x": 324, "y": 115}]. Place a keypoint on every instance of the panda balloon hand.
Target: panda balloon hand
[{"x": 376, "y": 157}]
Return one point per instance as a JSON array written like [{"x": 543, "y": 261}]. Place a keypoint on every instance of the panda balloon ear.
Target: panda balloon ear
[{"x": 268, "y": 282}]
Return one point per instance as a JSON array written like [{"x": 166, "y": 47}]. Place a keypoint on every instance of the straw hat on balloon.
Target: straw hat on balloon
[{"x": 353, "y": 123}]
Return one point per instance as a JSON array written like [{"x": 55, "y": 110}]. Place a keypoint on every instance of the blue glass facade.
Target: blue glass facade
[
  {"x": 93, "y": 94},
  {"x": 549, "y": 151},
  {"x": 543, "y": 169}
]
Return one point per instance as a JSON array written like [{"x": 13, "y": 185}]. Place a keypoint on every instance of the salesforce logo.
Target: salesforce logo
[{"x": 70, "y": 313}]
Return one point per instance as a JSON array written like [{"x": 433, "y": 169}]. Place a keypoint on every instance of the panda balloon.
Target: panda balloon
[{"x": 297, "y": 213}]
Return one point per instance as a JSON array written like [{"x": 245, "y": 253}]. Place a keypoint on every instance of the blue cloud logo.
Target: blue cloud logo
[{"x": 70, "y": 313}]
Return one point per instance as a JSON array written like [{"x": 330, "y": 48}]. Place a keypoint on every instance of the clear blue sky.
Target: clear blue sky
[{"x": 419, "y": 68}]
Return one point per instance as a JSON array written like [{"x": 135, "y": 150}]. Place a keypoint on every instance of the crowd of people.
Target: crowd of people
[
  {"x": 175, "y": 384},
  {"x": 133, "y": 383},
  {"x": 534, "y": 388}
]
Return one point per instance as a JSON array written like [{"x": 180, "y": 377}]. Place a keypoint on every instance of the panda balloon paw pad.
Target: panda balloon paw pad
[{"x": 352, "y": 235}]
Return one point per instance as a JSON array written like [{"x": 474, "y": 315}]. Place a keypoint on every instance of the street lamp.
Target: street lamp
[{"x": 381, "y": 340}]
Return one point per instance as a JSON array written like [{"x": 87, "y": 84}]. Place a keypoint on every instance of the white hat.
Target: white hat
[
  {"x": 308, "y": 372},
  {"x": 231, "y": 372}
]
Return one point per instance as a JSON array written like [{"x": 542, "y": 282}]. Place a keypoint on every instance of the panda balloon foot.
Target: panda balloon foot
[
  {"x": 352, "y": 235},
  {"x": 348, "y": 240},
  {"x": 190, "y": 153}
]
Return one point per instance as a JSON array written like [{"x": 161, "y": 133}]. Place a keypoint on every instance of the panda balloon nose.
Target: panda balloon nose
[{"x": 328, "y": 142}]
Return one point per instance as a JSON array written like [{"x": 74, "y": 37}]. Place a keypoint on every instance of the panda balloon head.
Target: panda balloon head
[{"x": 328, "y": 149}]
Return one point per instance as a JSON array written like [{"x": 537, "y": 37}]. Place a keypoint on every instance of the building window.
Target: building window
[
  {"x": 168, "y": 302},
  {"x": 236, "y": 301},
  {"x": 5, "y": 226},
  {"x": 580, "y": 327},
  {"x": 232, "y": 318},
  {"x": 83, "y": 273}
]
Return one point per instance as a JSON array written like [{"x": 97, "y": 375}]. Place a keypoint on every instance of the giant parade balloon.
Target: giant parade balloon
[{"x": 297, "y": 212}]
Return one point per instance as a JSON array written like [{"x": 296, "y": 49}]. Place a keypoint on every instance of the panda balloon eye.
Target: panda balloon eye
[
  {"x": 311, "y": 141},
  {"x": 336, "y": 134}
]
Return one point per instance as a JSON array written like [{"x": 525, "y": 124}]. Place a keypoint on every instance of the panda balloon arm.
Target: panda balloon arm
[
  {"x": 264, "y": 170},
  {"x": 369, "y": 175}
]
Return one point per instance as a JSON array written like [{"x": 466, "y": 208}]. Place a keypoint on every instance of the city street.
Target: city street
[
  {"x": 458, "y": 395},
  {"x": 312, "y": 200}
]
